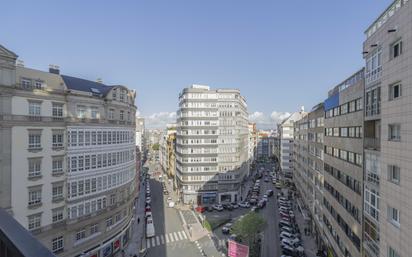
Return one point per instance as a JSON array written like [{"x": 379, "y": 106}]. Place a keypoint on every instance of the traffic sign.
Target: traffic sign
[{"x": 237, "y": 250}]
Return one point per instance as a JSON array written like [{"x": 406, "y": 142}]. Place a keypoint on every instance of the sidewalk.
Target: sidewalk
[
  {"x": 309, "y": 242},
  {"x": 137, "y": 241}
]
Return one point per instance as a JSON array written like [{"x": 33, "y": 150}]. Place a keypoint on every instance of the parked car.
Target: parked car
[
  {"x": 148, "y": 200},
  {"x": 226, "y": 228},
  {"x": 265, "y": 197},
  {"x": 148, "y": 214},
  {"x": 287, "y": 229},
  {"x": 288, "y": 235},
  {"x": 209, "y": 208},
  {"x": 283, "y": 223},
  {"x": 261, "y": 204},
  {"x": 218, "y": 207},
  {"x": 284, "y": 209},
  {"x": 253, "y": 201},
  {"x": 235, "y": 205},
  {"x": 200, "y": 209},
  {"x": 227, "y": 206},
  {"x": 288, "y": 251},
  {"x": 278, "y": 185},
  {"x": 254, "y": 209},
  {"x": 266, "y": 179},
  {"x": 269, "y": 192},
  {"x": 244, "y": 204},
  {"x": 290, "y": 243}
]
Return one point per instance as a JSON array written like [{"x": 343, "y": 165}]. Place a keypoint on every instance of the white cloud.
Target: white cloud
[
  {"x": 160, "y": 119},
  {"x": 264, "y": 121}
]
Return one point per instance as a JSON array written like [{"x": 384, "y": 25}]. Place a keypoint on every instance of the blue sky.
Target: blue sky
[{"x": 280, "y": 54}]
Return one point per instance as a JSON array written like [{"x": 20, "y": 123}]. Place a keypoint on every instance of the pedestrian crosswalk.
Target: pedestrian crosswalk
[{"x": 166, "y": 238}]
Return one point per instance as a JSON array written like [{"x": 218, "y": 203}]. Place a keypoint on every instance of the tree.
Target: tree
[
  {"x": 155, "y": 147},
  {"x": 247, "y": 229}
]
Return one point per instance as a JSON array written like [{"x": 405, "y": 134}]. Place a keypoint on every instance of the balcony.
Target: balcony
[
  {"x": 16, "y": 241},
  {"x": 372, "y": 143}
]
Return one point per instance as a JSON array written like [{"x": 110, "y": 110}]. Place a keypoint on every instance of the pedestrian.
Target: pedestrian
[{"x": 138, "y": 220}]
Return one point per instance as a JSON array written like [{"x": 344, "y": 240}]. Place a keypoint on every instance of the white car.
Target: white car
[
  {"x": 218, "y": 207},
  {"x": 171, "y": 204},
  {"x": 244, "y": 205},
  {"x": 148, "y": 214},
  {"x": 148, "y": 200}
]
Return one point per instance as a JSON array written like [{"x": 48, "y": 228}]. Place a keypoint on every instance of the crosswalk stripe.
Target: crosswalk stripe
[
  {"x": 157, "y": 240},
  {"x": 180, "y": 235},
  {"x": 184, "y": 234},
  {"x": 153, "y": 242},
  {"x": 167, "y": 239},
  {"x": 162, "y": 239},
  {"x": 171, "y": 237},
  {"x": 175, "y": 234},
  {"x": 148, "y": 243}
]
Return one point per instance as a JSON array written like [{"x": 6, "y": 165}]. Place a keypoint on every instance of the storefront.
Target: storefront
[{"x": 208, "y": 198}]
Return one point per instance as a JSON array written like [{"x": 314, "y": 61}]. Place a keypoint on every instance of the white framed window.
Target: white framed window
[
  {"x": 58, "y": 136},
  {"x": 121, "y": 115},
  {"x": 392, "y": 252},
  {"x": 394, "y": 174},
  {"x": 396, "y": 49},
  {"x": 38, "y": 84},
  {"x": 81, "y": 234},
  {"x": 26, "y": 83},
  {"x": 34, "y": 221},
  {"x": 393, "y": 216},
  {"x": 95, "y": 114},
  {"x": 57, "y": 165},
  {"x": 394, "y": 132},
  {"x": 111, "y": 114},
  {"x": 34, "y": 167},
  {"x": 34, "y": 140},
  {"x": 81, "y": 111},
  {"x": 94, "y": 229},
  {"x": 395, "y": 91},
  {"x": 122, "y": 95},
  {"x": 34, "y": 196},
  {"x": 57, "y": 244},
  {"x": 57, "y": 110},
  {"x": 57, "y": 191},
  {"x": 57, "y": 215},
  {"x": 34, "y": 108},
  {"x": 109, "y": 222}
]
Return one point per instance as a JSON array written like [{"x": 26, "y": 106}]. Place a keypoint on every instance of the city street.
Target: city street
[{"x": 170, "y": 239}]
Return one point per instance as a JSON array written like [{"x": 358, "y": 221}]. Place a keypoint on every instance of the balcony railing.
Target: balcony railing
[{"x": 372, "y": 143}]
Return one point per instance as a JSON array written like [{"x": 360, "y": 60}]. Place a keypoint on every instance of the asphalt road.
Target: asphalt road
[
  {"x": 170, "y": 239},
  {"x": 271, "y": 243}
]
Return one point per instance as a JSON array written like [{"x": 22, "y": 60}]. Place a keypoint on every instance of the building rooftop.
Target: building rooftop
[{"x": 86, "y": 85}]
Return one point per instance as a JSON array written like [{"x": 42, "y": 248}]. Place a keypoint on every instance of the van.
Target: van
[{"x": 150, "y": 231}]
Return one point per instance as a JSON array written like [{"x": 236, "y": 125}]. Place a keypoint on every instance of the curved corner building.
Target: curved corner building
[
  {"x": 68, "y": 171},
  {"x": 211, "y": 145}
]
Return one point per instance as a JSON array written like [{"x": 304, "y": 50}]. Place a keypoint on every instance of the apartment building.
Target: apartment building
[
  {"x": 68, "y": 169},
  {"x": 252, "y": 142},
  {"x": 388, "y": 101},
  {"x": 140, "y": 138},
  {"x": 308, "y": 169},
  {"x": 283, "y": 148},
  {"x": 343, "y": 165},
  {"x": 167, "y": 150},
  {"x": 211, "y": 144}
]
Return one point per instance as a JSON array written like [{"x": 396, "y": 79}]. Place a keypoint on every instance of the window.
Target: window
[
  {"x": 392, "y": 253},
  {"x": 26, "y": 83},
  {"x": 352, "y": 106},
  {"x": 38, "y": 84},
  {"x": 34, "y": 167},
  {"x": 57, "y": 192},
  {"x": 57, "y": 110},
  {"x": 57, "y": 244},
  {"x": 34, "y": 196},
  {"x": 111, "y": 114},
  {"x": 114, "y": 93},
  {"x": 393, "y": 216},
  {"x": 57, "y": 215},
  {"x": 396, "y": 49},
  {"x": 394, "y": 91},
  {"x": 58, "y": 138},
  {"x": 95, "y": 113},
  {"x": 118, "y": 217},
  {"x": 34, "y": 108},
  {"x": 109, "y": 222},
  {"x": 57, "y": 165},
  {"x": 94, "y": 229},
  {"x": 80, "y": 235},
  {"x": 34, "y": 221},
  {"x": 81, "y": 111},
  {"x": 121, "y": 115},
  {"x": 122, "y": 95},
  {"x": 394, "y": 173},
  {"x": 394, "y": 132},
  {"x": 343, "y": 132}
]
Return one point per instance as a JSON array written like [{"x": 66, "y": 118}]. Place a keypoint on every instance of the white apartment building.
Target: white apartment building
[
  {"x": 67, "y": 158},
  {"x": 211, "y": 144},
  {"x": 284, "y": 153}
]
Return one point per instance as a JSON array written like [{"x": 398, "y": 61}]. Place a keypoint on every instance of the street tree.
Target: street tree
[
  {"x": 155, "y": 147},
  {"x": 247, "y": 230}
]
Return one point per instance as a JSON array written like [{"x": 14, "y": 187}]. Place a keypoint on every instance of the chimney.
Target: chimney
[
  {"x": 55, "y": 69},
  {"x": 99, "y": 80},
  {"x": 20, "y": 63}
]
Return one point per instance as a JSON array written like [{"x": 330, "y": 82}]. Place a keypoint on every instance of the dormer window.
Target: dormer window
[
  {"x": 122, "y": 94},
  {"x": 26, "y": 83},
  {"x": 38, "y": 84},
  {"x": 114, "y": 94}
]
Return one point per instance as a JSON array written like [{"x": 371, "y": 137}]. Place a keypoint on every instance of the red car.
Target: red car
[
  {"x": 148, "y": 209},
  {"x": 200, "y": 209}
]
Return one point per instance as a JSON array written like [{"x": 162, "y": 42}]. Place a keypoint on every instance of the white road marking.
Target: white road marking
[
  {"x": 148, "y": 243},
  {"x": 153, "y": 241},
  {"x": 175, "y": 234},
  {"x": 157, "y": 240},
  {"x": 167, "y": 239},
  {"x": 180, "y": 235},
  {"x": 171, "y": 237},
  {"x": 162, "y": 239},
  {"x": 184, "y": 234}
]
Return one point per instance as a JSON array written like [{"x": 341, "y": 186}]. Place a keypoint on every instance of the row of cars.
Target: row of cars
[
  {"x": 255, "y": 196},
  {"x": 290, "y": 237},
  {"x": 150, "y": 232}
]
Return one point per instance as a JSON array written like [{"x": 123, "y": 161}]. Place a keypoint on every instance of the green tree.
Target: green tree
[
  {"x": 247, "y": 230},
  {"x": 155, "y": 147}
]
